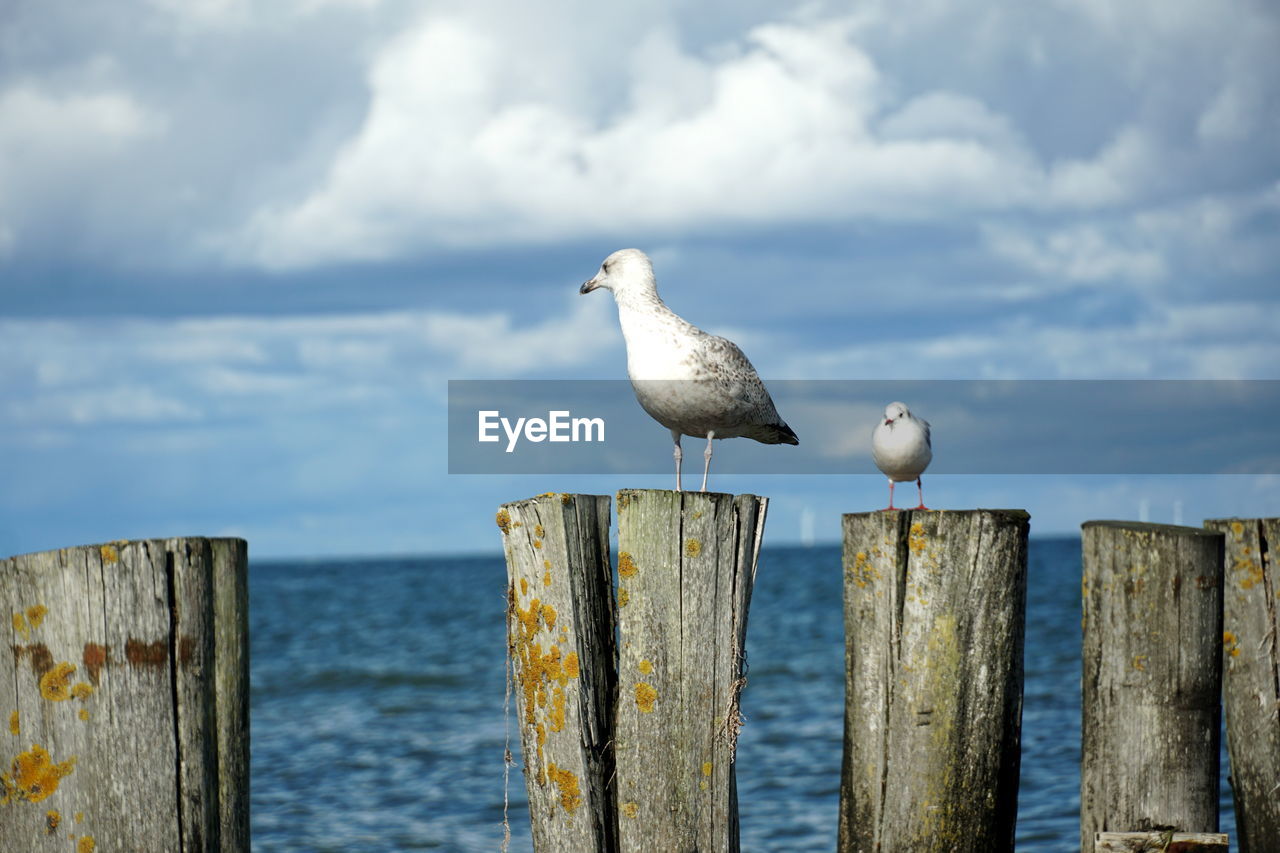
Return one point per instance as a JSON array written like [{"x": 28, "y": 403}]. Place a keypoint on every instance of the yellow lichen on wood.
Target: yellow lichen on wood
[
  {"x": 34, "y": 775},
  {"x": 549, "y": 616},
  {"x": 1231, "y": 644},
  {"x": 51, "y": 821},
  {"x": 20, "y": 625},
  {"x": 567, "y": 782},
  {"x": 916, "y": 540},
  {"x": 55, "y": 684},
  {"x": 646, "y": 696},
  {"x": 36, "y": 614},
  {"x": 692, "y": 547},
  {"x": 706, "y": 768},
  {"x": 624, "y": 596},
  {"x": 646, "y": 666},
  {"x": 626, "y": 565},
  {"x": 503, "y": 519},
  {"x": 862, "y": 572},
  {"x": 630, "y": 810},
  {"x": 109, "y": 554},
  {"x": 84, "y": 714},
  {"x": 539, "y": 531},
  {"x": 571, "y": 665},
  {"x": 13, "y": 724},
  {"x": 82, "y": 690},
  {"x": 86, "y": 844},
  {"x": 1140, "y": 663}
]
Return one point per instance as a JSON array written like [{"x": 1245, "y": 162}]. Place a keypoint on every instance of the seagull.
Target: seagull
[
  {"x": 902, "y": 448},
  {"x": 691, "y": 382}
]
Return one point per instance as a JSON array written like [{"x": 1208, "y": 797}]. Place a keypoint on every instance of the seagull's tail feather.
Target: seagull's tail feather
[{"x": 778, "y": 433}]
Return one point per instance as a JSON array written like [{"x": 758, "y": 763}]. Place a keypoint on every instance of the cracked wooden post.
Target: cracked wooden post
[
  {"x": 128, "y": 681},
  {"x": 1251, "y": 676},
  {"x": 1152, "y": 671},
  {"x": 935, "y": 615},
  {"x": 560, "y": 636},
  {"x": 686, "y": 565}
]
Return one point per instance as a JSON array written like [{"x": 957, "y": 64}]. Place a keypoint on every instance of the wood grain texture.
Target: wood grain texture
[
  {"x": 935, "y": 614},
  {"x": 1152, "y": 670},
  {"x": 1251, "y": 676},
  {"x": 686, "y": 565},
  {"x": 1160, "y": 842},
  {"x": 563, "y": 655},
  {"x": 116, "y": 728}
]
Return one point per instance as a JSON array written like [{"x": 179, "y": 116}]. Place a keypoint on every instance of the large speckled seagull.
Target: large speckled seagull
[{"x": 691, "y": 382}]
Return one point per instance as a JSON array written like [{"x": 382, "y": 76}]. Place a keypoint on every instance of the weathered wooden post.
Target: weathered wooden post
[
  {"x": 686, "y": 565},
  {"x": 560, "y": 634},
  {"x": 128, "y": 683},
  {"x": 935, "y": 614},
  {"x": 1152, "y": 669},
  {"x": 1251, "y": 676}
]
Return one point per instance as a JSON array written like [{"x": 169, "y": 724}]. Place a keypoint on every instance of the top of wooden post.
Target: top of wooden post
[{"x": 1150, "y": 527}]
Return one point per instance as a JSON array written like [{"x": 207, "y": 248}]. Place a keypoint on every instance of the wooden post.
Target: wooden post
[
  {"x": 1152, "y": 669},
  {"x": 1251, "y": 676},
  {"x": 935, "y": 614},
  {"x": 560, "y": 634},
  {"x": 128, "y": 679},
  {"x": 686, "y": 564}
]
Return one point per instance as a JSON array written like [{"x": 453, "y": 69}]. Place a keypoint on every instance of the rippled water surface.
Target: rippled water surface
[{"x": 378, "y": 687}]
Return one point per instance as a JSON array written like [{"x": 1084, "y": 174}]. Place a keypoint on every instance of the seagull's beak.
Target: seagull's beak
[
  {"x": 588, "y": 286},
  {"x": 888, "y": 421}
]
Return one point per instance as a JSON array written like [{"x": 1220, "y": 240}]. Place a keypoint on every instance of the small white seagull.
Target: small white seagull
[
  {"x": 691, "y": 382},
  {"x": 902, "y": 448}
]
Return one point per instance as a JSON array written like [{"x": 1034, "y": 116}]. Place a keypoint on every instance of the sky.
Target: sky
[{"x": 244, "y": 246}]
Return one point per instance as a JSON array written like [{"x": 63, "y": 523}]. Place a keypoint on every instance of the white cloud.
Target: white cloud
[{"x": 1079, "y": 253}]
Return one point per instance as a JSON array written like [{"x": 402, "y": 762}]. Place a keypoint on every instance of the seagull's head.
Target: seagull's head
[
  {"x": 624, "y": 271},
  {"x": 893, "y": 411}
]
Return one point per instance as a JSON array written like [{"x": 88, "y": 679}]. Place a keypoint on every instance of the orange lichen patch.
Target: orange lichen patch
[
  {"x": 109, "y": 554},
  {"x": 646, "y": 696},
  {"x": 13, "y": 723},
  {"x": 624, "y": 596},
  {"x": 539, "y": 531},
  {"x": 1237, "y": 528},
  {"x": 20, "y": 625},
  {"x": 570, "y": 794},
  {"x": 549, "y": 616},
  {"x": 503, "y": 519},
  {"x": 557, "y": 710},
  {"x": 1248, "y": 570},
  {"x": 546, "y": 573},
  {"x": 862, "y": 572},
  {"x": 631, "y": 809},
  {"x": 524, "y": 586},
  {"x": 84, "y": 714},
  {"x": 34, "y": 776},
  {"x": 706, "y": 768},
  {"x": 86, "y": 844},
  {"x": 36, "y": 614},
  {"x": 626, "y": 566},
  {"x": 139, "y": 653},
  {"x": 646, "y": 666},
  {"x": 571, "y": 665},
  {"x": 692, "y": 547},
  {"x": 916, "y": 540},
  {"x": 54, "y": 684},
  {"x": 537, "y": 543},
  {"x": 566, "y": 499},
  {"x": 81, "y": 690},
  {"x": 1140, "y": 662},
  {"x": 51, "y": 821},
  {"x": 1231, "y": 643},
  {"x": 79, "y": 816},
  {"x": 624, "y": 501},
  {"x": 94, "y": 659}
]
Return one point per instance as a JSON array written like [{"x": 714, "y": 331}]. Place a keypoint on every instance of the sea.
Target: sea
[{"x": 379, "y": 721}]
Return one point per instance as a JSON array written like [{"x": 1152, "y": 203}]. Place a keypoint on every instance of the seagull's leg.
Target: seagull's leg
[
  {"x": 920, "y": 490},
  {"x": 675, "y": 436},
  {"x": 706, "y": 455},
  {"x": 890, "y": 506}
]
